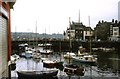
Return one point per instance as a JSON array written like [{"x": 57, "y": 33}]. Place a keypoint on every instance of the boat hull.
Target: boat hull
[
  {"x": 74, "y": 70},
  {"x": 49, "y": 64},
  {"x": 36, "y": 74},
  {"x": 84, "y": 61}
]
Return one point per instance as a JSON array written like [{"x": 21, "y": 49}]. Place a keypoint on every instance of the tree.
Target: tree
[{"x": 102, "y": 30}]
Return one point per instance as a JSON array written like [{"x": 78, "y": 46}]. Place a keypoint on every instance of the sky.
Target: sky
[{"x": 52, "y": 16}]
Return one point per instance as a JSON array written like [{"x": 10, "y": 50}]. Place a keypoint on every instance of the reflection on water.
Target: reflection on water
[{"x": 107, "y": 66}]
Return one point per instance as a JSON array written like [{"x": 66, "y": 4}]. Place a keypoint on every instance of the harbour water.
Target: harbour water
[{"x": 107, "y": 67}]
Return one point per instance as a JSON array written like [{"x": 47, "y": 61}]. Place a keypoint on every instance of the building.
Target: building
[
  {"x": 87, "y": 33},
  {"x": 107, "y": 31},
  {"x": 5, "y": 37},
  {"x": 78, "y": 31},
  {"x": 115, "y": 31},
  {"x": 119, "y": 11}
]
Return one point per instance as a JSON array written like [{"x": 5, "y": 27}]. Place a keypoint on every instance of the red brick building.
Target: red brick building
[{"x": 5, "y": 36}]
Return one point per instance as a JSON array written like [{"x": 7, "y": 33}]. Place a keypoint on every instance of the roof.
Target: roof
[{"x": 88, "y": 29}]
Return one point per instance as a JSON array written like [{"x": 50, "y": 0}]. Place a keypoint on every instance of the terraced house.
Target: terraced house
[
  {"x": 78, "y": 31},
  {"x": 5, "y": 37}
]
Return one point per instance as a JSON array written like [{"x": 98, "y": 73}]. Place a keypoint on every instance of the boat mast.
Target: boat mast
[
  {"x": 60, "y": 50},
  {"x": 90, "y": 32},
  {"x": 79, "y": 17},
  {"x": 69, "y": 38},
  {"x": 36, "y": 36},
  {"x": 70, "y": 34}
]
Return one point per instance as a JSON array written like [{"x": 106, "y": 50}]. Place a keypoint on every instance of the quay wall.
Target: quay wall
[{"x": 64, "y": 45}]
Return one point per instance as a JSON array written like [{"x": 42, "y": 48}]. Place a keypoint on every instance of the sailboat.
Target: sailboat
[
  {"x": 72, "y": 69},
  {"x": 59, "y": 63},
  {"x": 48, "y": 63},
  {"x": 36, "y": 53},
  {"x": 85, "y": 57}
]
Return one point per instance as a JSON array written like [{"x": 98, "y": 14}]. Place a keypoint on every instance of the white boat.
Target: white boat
[
  {"x": 46, "y": 51},
  {"x": 69, "y": 55},
  {"x": 88, "y": 59},
  {"x": 14, "y": 57}
]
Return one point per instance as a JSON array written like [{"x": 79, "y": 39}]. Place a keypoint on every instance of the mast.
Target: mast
[
  {"x": 70, "y": 38},
  {"x": 36, "y": 35},
  {"x": 90, "y": 32},
  {"x": 79, "y": 17},
  {"x": 70, "y": 33}
]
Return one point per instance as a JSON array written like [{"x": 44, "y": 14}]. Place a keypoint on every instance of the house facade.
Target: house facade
[
  {"x": 115, "y": 31},
  {"x": 78, "y": 31},
  {"x": 5, "y": 37}
]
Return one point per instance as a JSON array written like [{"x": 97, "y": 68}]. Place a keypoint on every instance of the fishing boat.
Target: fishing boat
[
  {"x": 36, "y": 74},
  {"x": 72, "y": 69}
]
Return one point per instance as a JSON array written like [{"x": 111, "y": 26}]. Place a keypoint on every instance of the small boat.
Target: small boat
[
  {"x": 36, "y": 74},
  {"x": 88, "y": 59},
  {"x": 72, "y": 69},
  {"x": 12, "y": 63},
  {"x": 49, "y": 64},
  {"x": 69, "y": 55},
  {"x": 14, "y": 57},
  {"x": 36, "y": 54},
  {"x": 46, "y": 52},
  {"x": 28, "y": 54}
]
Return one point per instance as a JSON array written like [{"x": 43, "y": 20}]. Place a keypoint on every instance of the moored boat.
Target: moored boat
[
  {"x": 74, "y": 70},
  {"x": 49, "y": 64},
  {"x": 36, "y": 74},
  {"x": 88, "y": 59},
  {"x": 69, "y": 55}
]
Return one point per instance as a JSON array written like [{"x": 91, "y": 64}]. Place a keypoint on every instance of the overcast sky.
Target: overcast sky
[{"x": 52, "y": 16}]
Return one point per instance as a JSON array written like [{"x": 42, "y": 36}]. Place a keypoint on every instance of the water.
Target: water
[{"x": 107, "y": 67}]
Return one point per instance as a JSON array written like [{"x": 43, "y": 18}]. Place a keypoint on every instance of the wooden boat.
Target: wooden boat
[
  {"x": 74, "y": 70},
  {"x": 49, "y": 64},
  {"x": 36, "y": 74}
]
